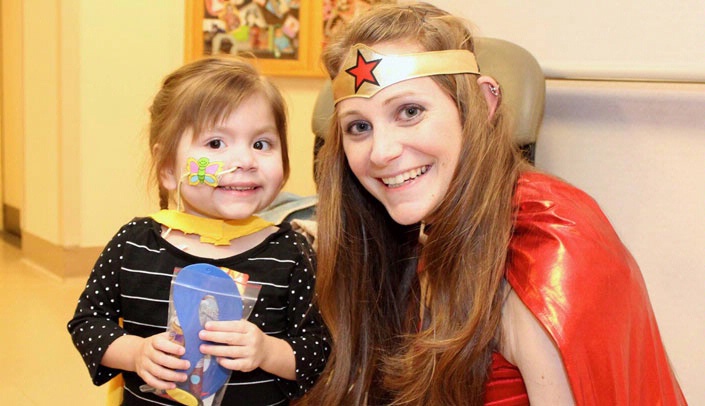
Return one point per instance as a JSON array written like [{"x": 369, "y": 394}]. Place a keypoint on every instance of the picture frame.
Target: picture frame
[
  {"x": 282, "y": 37},
  {"x": 338, "y": 13}
]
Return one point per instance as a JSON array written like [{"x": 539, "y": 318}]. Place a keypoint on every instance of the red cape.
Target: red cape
[{"x": 569, "y": 267}]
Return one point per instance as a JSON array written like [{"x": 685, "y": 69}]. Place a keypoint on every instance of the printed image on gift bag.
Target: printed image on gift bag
[
  {"x": 199, "y": 293},
  {"x": 248, "y": 291}
]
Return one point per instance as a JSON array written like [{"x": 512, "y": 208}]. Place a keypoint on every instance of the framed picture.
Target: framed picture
[
  {"x": 283, "y": 37},
  {"x": 337, "y": 14}
]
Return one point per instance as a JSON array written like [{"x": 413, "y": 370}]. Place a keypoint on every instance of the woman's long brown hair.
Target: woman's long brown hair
[{"x": 368, "y": 285}]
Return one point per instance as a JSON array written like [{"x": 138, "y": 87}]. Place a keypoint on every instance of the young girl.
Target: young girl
[{"x": 218, "y": 143}]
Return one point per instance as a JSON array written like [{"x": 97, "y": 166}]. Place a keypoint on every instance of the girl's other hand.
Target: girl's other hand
[
  {"x": 157, "y": 361},
  {"x": 244, "y": 346}
]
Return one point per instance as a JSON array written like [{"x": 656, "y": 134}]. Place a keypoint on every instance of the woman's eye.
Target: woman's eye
[
  {"x": 215, "y": 144},
  {"x": 262, "y": 145},
  {"x": 411, "y": 111},
  {"x": 358, "y": 127}
]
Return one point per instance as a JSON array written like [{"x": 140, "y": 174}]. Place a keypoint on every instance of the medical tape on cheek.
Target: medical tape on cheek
[
  {"x": 204, "y": 171},
  {"x": 201, "y": 171}
]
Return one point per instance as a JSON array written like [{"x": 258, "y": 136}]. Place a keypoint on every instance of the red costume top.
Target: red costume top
[{"x": 569, "y": 267}]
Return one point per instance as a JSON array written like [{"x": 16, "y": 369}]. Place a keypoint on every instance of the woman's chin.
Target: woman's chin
[{"x": 405, "y": 216}]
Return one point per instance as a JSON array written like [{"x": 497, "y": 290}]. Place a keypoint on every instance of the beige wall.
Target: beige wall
[
  {"x": 12, "y": 155},
  {"x": 41, "y": 175},
  {"x": 643, "y": 39},
  {"x": 120, "y": 70}
]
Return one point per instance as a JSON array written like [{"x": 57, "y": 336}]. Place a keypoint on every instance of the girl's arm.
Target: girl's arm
[
  {"x": 300, "y": 355},
  {"x": 245, "y": 347},
  {"x": 307, "y": 335},
  {"x": 95, "y": 324},
  {"x": 526, "y": 344},
  {"x": 96, "y": 331}
]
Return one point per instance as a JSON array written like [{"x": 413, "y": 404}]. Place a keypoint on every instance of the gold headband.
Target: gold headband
[{"x": 365, "y": 71}]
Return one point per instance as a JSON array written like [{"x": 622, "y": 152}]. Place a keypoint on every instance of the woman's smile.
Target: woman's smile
[{"x": 405, "y": 177}]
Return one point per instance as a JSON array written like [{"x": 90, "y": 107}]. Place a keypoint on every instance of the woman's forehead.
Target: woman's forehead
[{"x": 419, "y": 88}]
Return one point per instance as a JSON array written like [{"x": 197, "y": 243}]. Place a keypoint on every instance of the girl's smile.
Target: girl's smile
[{"x": 252, "y": 168}]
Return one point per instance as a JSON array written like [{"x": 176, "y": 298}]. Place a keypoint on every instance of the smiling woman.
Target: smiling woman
[
  {"x": 450, "y": 270},
  {"x": 402, "y": 145}
]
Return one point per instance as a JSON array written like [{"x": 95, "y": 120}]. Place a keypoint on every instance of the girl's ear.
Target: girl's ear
[
  {"x": 167, "y": 178},
  {"x": 493, "y": 94}
]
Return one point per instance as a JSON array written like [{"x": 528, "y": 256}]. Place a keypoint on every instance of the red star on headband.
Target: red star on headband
[{"x": 362, "y": 71}]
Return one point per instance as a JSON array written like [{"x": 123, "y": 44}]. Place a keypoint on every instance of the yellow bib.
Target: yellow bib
[{"x": 212, "y": 231}]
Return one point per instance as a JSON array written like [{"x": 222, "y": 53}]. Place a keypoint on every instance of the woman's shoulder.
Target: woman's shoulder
[
  {"x": 558, "y": 227},
  {"x": 569, "y": 268},
  {"x": 565, "y": 260},
  {"x": 564, "y": 256},
  {"x": 530, "y": 357},
  {"x": 550, "y": 210},
  {"x": 538, "y": 192}
]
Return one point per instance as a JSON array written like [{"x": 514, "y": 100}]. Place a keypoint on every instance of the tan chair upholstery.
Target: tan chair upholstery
[{"x": 520, "y": 78}]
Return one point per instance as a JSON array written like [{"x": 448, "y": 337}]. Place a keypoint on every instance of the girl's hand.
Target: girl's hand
[
  {"x": 157, "y": 360},
  {"x": 245, "y": 347}
]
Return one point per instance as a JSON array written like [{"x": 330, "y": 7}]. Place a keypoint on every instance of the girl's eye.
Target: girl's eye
[
  {"x": 262, "y": 145},
  {"x": 215, "y": 144},
  {"x": 358, "y": 127}
]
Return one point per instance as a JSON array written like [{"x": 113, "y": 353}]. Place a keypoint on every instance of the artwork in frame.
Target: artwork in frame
[
  {"x": 283, "y": 37},
  {"x": 337, "y": 13}
]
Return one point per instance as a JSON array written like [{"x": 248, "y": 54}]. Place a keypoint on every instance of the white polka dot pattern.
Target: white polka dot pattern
[{"x": 131, "y": 280}]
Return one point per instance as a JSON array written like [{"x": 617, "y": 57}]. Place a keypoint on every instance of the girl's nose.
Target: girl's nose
[{"x": 244, "y": 159}]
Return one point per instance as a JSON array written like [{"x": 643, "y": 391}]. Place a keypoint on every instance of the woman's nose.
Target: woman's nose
[{"x": 385, "y": 147}]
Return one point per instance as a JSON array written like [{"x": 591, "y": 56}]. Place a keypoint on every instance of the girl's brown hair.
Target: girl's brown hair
[
  {"x": 200, "y": 95},
  {"x": 368, "y": 282}
]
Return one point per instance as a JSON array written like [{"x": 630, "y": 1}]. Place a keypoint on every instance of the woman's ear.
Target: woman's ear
[{"x": 493, "y": 94}]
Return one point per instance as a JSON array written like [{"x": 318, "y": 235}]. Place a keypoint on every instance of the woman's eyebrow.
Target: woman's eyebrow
[
  {"x": 344, "y": 114},
  {"x": 386, "y": 102},
  {"x": 401, "y": 95}
]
